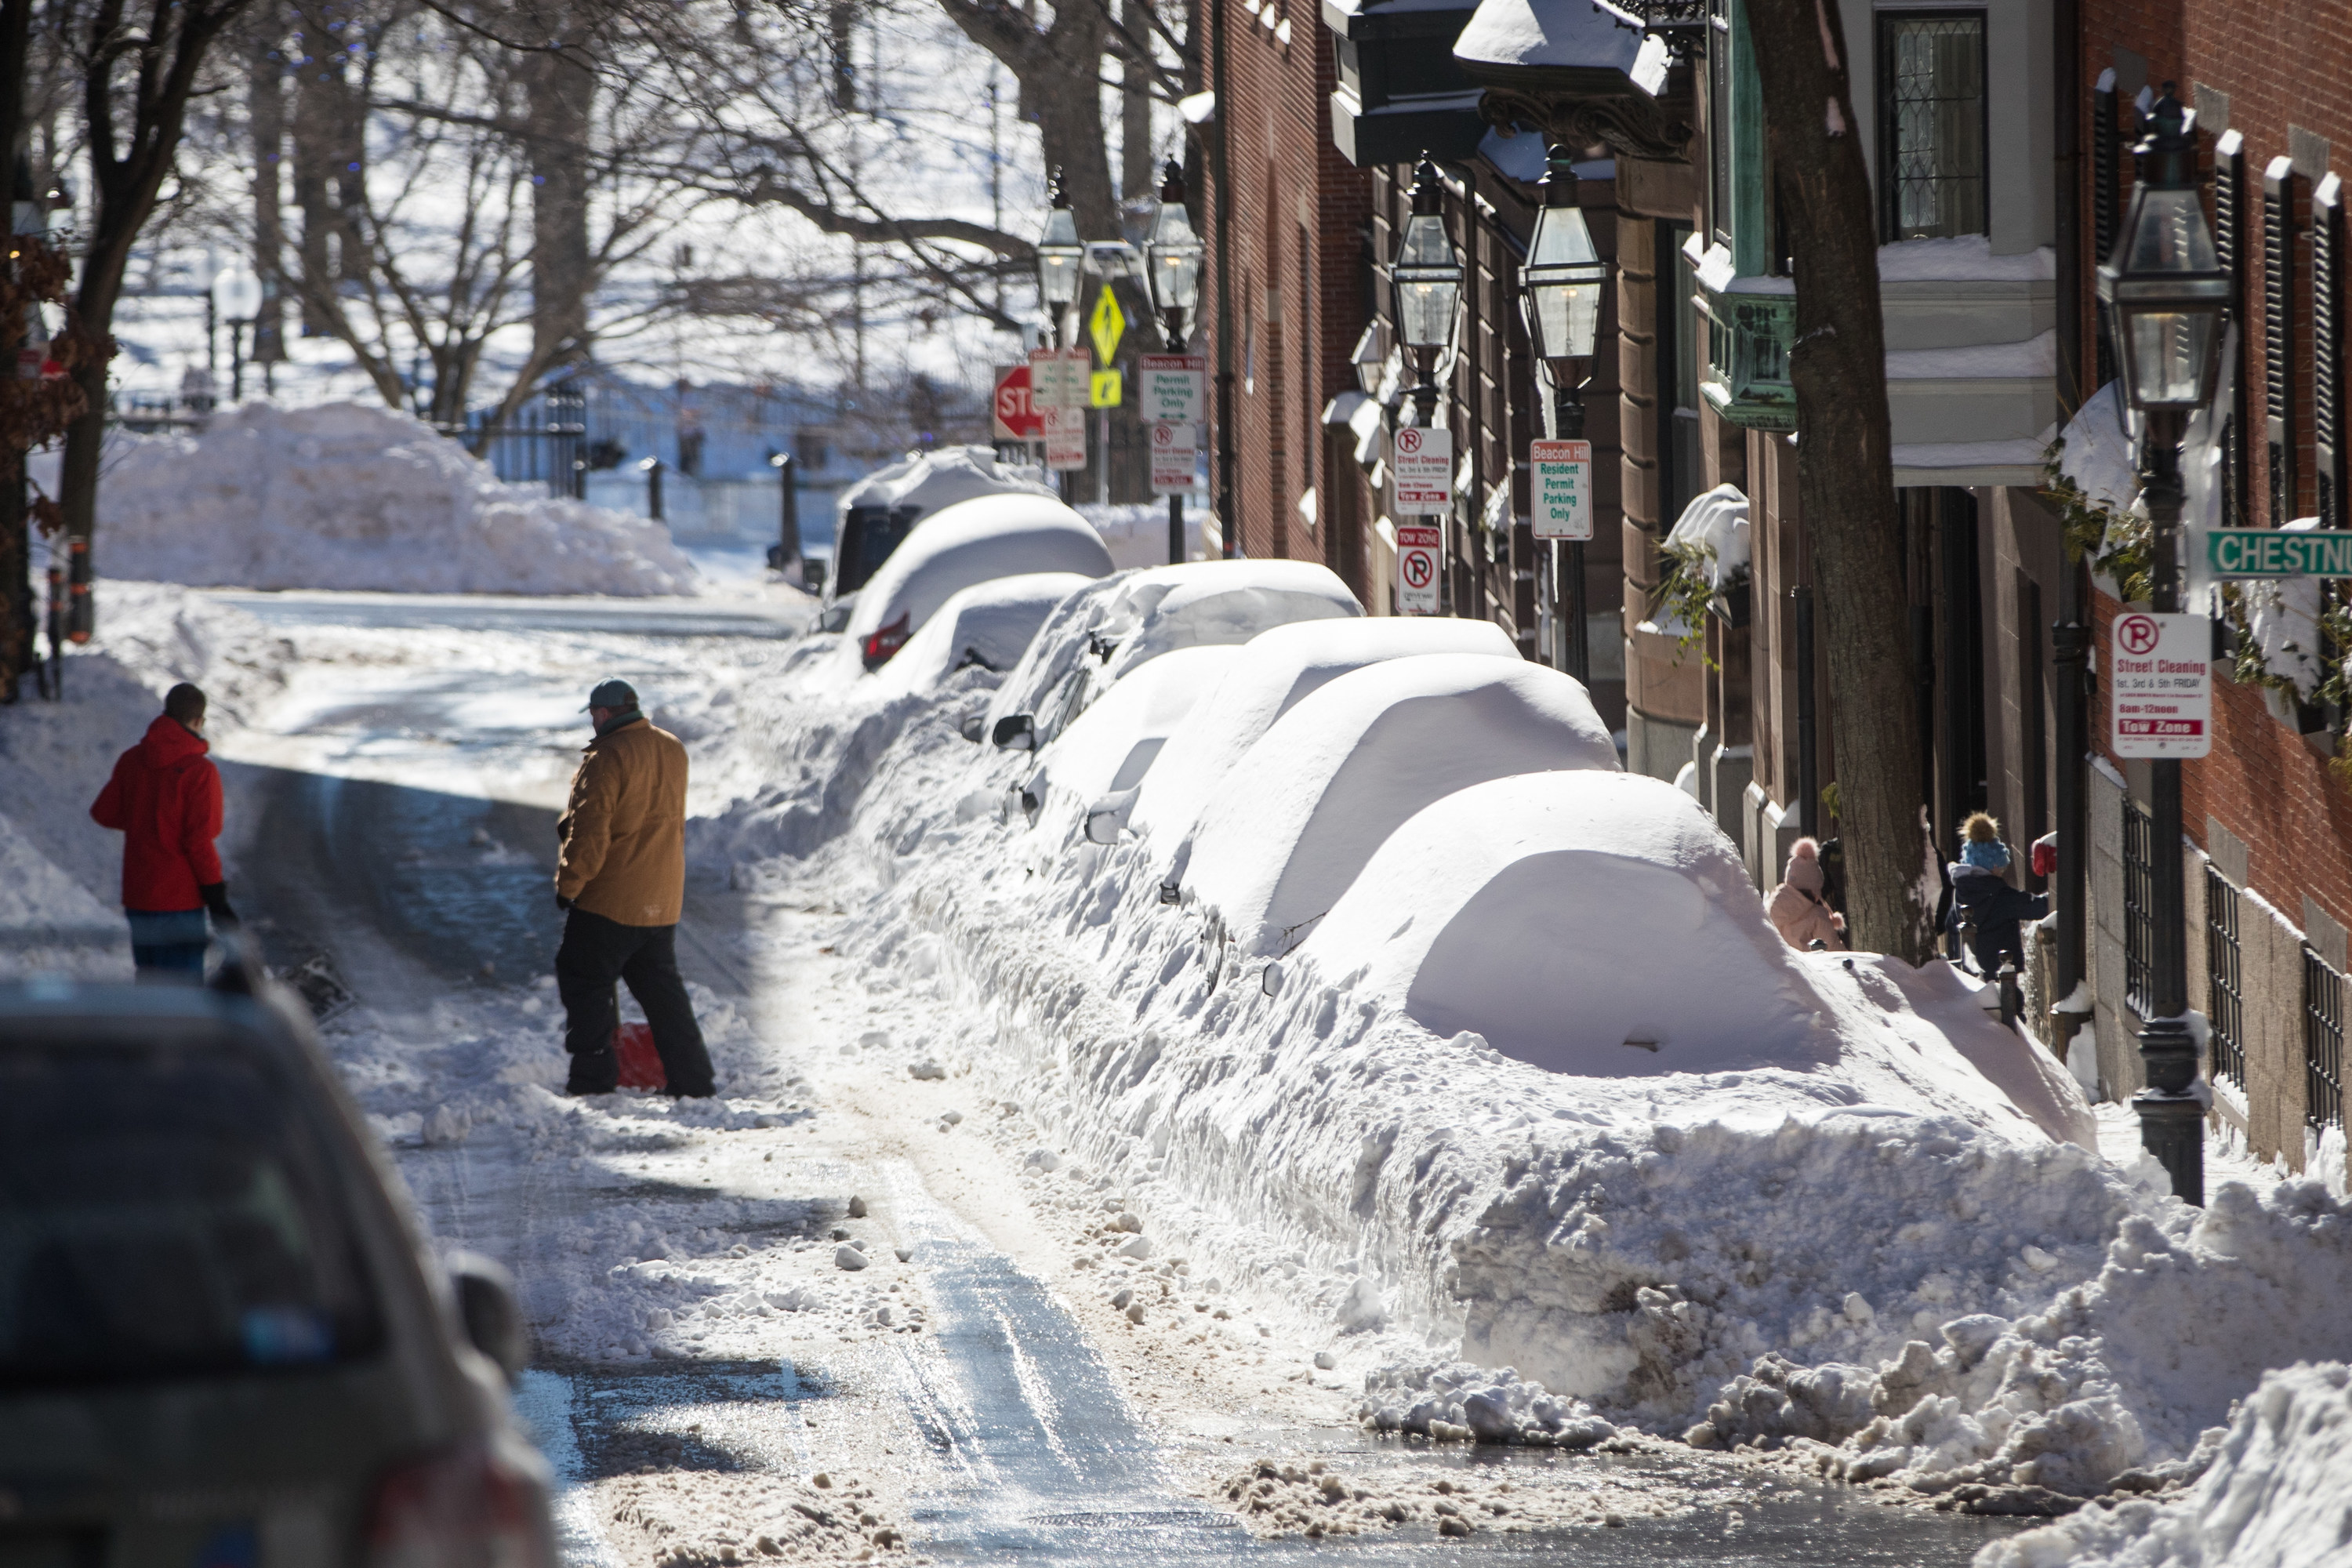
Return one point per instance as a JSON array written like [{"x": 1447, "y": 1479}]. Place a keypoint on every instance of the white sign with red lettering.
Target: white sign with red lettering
[
  {"x": 2160, "y": 685},
  {"x": 1175, "y": 386},
  {"x": 1563, "y": 499},
  {"x": 1423, "y": 466},
  {"x": 1418, "y": 549},
  {"x": 1065, "y": 438},
  {"x": 1175, "y": 452},
  {"x": 1061, "y": 378}
]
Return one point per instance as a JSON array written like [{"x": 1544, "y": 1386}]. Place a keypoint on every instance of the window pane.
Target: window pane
[
  {"x": 163, "y": 1214},
  {"x": 1932, "y": 89}
]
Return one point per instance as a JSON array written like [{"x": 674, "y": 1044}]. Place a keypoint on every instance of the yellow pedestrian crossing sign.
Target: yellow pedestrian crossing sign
[
  {"x": 1106, "y": 388},
  {"x": 1107, "y": 324}
]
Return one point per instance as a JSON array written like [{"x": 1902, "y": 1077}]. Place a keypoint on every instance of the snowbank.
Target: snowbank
[
  {"x": 1285, "y": 665},
  {"x": 2273, "y": 1495},
  {"x": 987, "y": 625},
  {"x": 1297, "y": 818},
  {"x": 969, "y": 543},
  {"x": 346, "y": 495}
]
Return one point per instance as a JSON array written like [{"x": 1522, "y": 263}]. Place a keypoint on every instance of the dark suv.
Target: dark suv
[{"x": 223, "y": 1342}]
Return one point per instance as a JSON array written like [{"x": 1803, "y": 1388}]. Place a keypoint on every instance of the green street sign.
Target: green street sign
[{"x": 2276, "y": 552}]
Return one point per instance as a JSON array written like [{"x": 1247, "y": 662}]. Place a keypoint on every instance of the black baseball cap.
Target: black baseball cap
[{"x": 617, "y": 694}]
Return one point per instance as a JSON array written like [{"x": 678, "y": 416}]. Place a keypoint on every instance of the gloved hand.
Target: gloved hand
[
  {"x": 216, "y": 897},
  {"x": 561, "y": 902}
]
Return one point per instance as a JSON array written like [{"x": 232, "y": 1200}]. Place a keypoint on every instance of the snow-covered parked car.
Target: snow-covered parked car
[
  {"x": 1110, "y": 749},
  {"x": 985, "y": 626},
  {"x": 1111, "y": 628},
  {"x": 1284, "y": 665},
  {"x": 1297, "y": 818},
  {"x": 972, "y": 542},
  {"x": 874, "y": 515}
]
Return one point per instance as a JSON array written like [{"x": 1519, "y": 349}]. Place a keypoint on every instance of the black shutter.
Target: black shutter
[
  {"x": 2106, "y": 173},
  {"x": 2328, "y": 348},
  {"x": 2278, "y": 334},
  {"x": 2229, "y": 244}
]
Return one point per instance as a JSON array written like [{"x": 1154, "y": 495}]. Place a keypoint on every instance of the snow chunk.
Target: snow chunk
[
  {"x": 347, "y": 496},
  {"x": 973, "y": 541},
  {"x": 1284, "y": 665},
  {"x": 1310, "y": 802}
]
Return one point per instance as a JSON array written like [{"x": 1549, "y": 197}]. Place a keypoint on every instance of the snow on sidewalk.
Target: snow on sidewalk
[{"x": 1869, "y": 1229}]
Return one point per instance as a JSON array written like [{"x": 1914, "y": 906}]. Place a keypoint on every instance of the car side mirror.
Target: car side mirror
[
  {"x": 486, "y": 1303},
  {"x": 1102, "y": 827},
  {"x": 1015, "y": 732},
  {"x": 971, "y": 728}
]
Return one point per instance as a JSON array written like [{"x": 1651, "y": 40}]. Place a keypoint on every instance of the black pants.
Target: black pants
[
  {"x": 1996, "y": 913},
  {"x": 597, "y": 952}
]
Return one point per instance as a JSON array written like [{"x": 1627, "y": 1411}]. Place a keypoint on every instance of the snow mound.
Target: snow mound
[
  {"x": 1716, "y": 525},
  {"x": 1285, "y": 665},
  {"x": 1099, "y": 633},
  {"x": 1303, "y": 811},
  {"x": 969, "y": 542},
  {"x": 1114, "y": 744},
  {"x": 346, "y": 495},
  {"x": 1551, "y": 914},
  {"x": 2273, "y": 1495},
  {"x": 2187, "y": 1310},
  {"x": 987, "y": 627}
]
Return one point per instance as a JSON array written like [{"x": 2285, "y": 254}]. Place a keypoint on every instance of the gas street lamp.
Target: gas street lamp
[
  {"x": 1560, "y": 292},
  {"x": 1427, "y": 279},
  {"x": 2165, "y": 294},
  {"x": 1060, "y": 258},
  {"x": 1171, "y": 272},
  {"x": 1171, "y": 258}
]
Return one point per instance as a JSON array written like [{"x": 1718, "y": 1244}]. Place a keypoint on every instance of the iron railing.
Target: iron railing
[
  {"x": 2323, "y": 1042},
  {"x": 2225, "y": 995},
  {"x": 2139, "y": 905}
]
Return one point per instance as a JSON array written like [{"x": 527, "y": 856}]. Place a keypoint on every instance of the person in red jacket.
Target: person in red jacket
[{"x": 165, "y": 799}]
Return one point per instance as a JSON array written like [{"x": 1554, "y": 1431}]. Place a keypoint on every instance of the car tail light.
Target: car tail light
[
  {"x": 881, "y": 644},
  {"x": 468, "y": 1508}
]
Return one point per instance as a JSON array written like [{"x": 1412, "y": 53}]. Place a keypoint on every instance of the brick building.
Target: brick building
[{"x": 2268, "y": 816}]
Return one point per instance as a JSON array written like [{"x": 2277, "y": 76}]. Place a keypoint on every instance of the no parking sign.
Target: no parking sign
[{"x": 1417, "y": 552}]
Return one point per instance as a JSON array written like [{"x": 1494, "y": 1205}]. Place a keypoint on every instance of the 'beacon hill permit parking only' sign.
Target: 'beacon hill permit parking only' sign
[
  {"x": 2160, "y": 685},
  {"x": 1563, "y": 489}
]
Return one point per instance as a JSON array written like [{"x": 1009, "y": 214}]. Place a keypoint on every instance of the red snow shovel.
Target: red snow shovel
[{"x": 641, "y": 1064}]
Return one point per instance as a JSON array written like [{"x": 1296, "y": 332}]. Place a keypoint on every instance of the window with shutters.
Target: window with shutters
[
  {"x": 2327, "y": 348},
  {"x": 2230, "y": 247},
  {"x": 2278, "y": 339},
  {"x": 1931, "y": 116}
]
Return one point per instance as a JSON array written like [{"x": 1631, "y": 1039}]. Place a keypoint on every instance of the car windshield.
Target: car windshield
[{"x": 166, "y": 1213}]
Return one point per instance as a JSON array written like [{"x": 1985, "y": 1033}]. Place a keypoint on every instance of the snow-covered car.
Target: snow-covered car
[
  {"x": 222, "y": 1336},
  {"x": 985, "y": 626},
  {"x": 874, "y": 515},
  {"x": 1101, "y": 758},
  {"x": 972, "y": 542},
  {"x": 1099, "y": 633},
  {"x": 1284, "y": 665},
  {"x": 1295, "y": 819}
]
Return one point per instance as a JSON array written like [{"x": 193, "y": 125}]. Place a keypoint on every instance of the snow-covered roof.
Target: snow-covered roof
[
  {"x": 1299, "y": 815},
  {"x": 929, "y": 481},
  {"x": 1002, "y": 535},
  {"x": 2025, "y": 359},
  {"x": 1572, "y": 33},
  {"x": 988, "y": 624},
  {"x": 1283, "y": 666}
]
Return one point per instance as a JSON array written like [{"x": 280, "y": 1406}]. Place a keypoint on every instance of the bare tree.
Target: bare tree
[
  {"x": 1845, "y": 474},
  {"x": 137, "y": 78}
]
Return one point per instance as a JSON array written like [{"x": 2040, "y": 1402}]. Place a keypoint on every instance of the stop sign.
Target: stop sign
[{"x": 1017, "y": 418}]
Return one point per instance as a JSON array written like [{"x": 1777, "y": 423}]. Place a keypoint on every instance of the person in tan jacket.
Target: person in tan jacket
[
  {"x": 620, "y": 879},
  {"x": 1799, "y": 912}
]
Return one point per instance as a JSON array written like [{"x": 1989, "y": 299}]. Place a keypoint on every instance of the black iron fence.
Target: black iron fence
[
  {"x": 2323, "y": 1042},
  {"x": 2225, "y": 998},
  {"x": 545, "y": 442},
  {"x": 2139, "y": 904}
]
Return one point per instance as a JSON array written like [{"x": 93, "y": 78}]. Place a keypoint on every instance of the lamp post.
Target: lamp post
[
  {"x": 1560, "y": 292},
  {"x": 1171, "y": 271},
  {"x": 237, "y": 296},
  {"x": 1427, "y": 279},
  {"x": 1061, "y": 256},
  {"x": 2165, "y": 294}
]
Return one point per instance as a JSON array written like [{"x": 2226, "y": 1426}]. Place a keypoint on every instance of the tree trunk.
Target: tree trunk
[
  {"x": 1845, "y": 483},
  {"x": 562, "y": 89},
  {"x": 265, "y": 101},
  {"x": 1137, "y": 180},
  {"x": 17, "y": 615}
]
